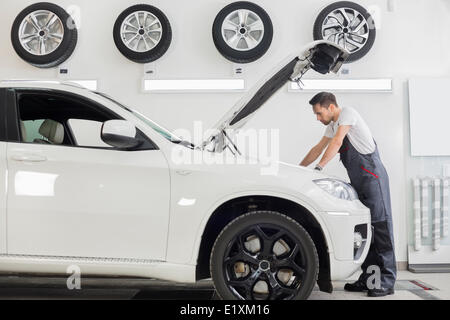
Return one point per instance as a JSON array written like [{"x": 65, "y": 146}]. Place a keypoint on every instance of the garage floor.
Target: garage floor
[{"x": 410, "y": 286}]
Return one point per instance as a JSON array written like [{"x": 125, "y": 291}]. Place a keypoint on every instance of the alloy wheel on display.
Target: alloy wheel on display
[
  {"x": 141, "y": 31},
  {"x": 44, "y": 35},
  {"x": 348, "y": 25},
  {"x": 242, "y": 30},
  {"x": 347, "y": 28},
  {"x": 41, "y": 32}
]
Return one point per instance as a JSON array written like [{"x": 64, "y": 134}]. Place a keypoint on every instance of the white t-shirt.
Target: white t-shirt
[{"x": 359, "y": 135}]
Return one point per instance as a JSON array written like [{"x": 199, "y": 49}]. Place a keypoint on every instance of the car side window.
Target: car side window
[
  {"x": 58, "y": 118},
  {"x": 30, "y": 130}
]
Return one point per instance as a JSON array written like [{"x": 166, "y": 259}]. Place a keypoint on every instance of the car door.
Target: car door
[{"x": 83, "y": 201}]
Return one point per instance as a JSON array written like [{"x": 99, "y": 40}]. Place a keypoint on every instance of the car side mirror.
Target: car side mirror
[{"x": 119, "y": 134}]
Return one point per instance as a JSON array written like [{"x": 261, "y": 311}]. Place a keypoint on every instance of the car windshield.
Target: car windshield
[{"x": 162, "y": 131}]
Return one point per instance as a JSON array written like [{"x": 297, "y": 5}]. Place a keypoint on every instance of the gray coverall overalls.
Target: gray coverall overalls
[{"x": 370, "y": 180}]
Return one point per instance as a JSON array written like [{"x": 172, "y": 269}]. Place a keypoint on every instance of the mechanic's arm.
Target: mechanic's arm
[
  {"x": 335, "y": 145},
  {"x": 315, "y": 152}
]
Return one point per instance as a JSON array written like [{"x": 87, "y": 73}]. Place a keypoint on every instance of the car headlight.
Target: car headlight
[{"x": 337, "y": 188}]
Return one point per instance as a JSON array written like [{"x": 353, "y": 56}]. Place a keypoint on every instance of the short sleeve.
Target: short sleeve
[
  {"x": 347, "y": 117},
  {"x": 329, "y": 132}
]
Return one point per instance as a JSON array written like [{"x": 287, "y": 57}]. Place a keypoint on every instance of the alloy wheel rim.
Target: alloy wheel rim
[
  {"x": 347, "y": 28},
  {"x": 242, "y": 30},
  {"x": 141, "y": 31},
  {"x": 274, "y": 269},
  {"x": 41, "y": 32}
]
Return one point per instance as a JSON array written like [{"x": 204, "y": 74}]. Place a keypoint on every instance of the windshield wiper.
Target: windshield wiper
[{"x": 184, "y": 143}]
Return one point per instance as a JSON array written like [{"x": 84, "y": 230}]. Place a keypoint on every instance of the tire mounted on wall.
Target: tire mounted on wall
[
  {"x": 349, "y": 25},
  {"x": 242, "y": 32},
  {"x": 44, "y": 35},
  {"x": 142, "y": 33}
]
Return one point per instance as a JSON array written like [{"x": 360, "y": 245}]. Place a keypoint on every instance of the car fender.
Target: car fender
[{"x": 269, "y": 193}]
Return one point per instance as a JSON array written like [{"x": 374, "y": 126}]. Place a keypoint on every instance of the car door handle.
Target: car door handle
[{"x": 29, "y": 158}]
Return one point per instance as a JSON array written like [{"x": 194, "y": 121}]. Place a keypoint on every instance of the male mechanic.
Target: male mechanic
[{"x": 348, "y": 134}]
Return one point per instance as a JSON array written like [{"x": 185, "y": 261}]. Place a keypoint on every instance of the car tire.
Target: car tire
[
  {"x": 355, "y": 31},
  {"x": 242, "y": 32},
  {"x": 142, "y": 33},
  {"x": 52, "y": 31},
  {"x": 242, "y": 271}
]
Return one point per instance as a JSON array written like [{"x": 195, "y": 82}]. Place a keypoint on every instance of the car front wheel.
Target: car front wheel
[{"x": 264, "y": 255}]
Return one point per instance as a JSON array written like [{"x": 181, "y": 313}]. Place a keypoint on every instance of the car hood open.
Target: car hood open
[{"x": 321, "y": 56}]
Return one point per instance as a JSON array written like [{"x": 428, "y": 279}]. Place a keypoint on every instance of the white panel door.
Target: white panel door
[
  {"x": 81, "y": 202},
  {"x": 429, "y": 113}
]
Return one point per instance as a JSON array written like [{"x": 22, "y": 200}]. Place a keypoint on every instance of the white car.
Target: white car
[{"x": 88, "y": 182}]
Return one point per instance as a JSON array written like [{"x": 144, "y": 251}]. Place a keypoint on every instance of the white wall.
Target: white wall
[{"x": 411, "y": 41}]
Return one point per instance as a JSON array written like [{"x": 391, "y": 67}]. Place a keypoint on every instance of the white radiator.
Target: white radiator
[{"x": 436, "y": 211}]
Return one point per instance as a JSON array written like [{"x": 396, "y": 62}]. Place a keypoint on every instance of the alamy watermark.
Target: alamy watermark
[
  {"x": 74, "y": 280},
  {"x": 374, "y": 280},
  {"x": 253, "y": 147},
  {"x": 74, "y": 20}
]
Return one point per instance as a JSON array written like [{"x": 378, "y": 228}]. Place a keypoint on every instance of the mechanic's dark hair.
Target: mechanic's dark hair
[{"x": 324, "y": 99}]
